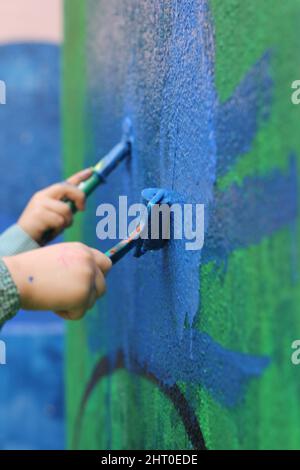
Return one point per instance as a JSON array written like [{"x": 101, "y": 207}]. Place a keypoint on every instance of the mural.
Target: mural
[{"x": 189, "y": 349}]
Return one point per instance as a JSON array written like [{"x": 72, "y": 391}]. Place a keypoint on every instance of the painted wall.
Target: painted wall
[
  {"x": 189, "y": 349},
  {"x": 32, "y": 382}
]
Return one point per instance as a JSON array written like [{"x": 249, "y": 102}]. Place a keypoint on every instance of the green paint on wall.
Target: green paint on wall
[
  {"x": 244, "y": 31},
  {"x": 73, "y": 95},
  {"x": 127, "y": 424},
  {"x": 74, "y": 146},
  {"x": 257, "y": 310}
]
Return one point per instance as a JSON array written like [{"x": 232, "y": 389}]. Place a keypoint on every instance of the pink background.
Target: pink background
[{"x": 31, "y": 20}]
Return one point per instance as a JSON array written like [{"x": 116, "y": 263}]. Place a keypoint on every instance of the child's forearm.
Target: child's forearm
[{"x": 15, "y": 240}]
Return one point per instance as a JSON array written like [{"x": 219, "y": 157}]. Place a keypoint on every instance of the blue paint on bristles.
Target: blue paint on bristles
[
  {"x": 120, "y": 151},
  {"x": 152, "y": 197}
]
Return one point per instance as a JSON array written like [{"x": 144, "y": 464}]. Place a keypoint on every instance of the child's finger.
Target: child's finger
[
  {"x": 54, "y": 221},
  {"x": 103, "y": 262},
  {"x": 61, "y": 208},
  {"x": 63, "y": 314},
  {"x": 80, "y": 176},
  {"x": 68, "y": 191},
  {"x": 74, "y": 314},
  {"x": 100, "y": 286}
]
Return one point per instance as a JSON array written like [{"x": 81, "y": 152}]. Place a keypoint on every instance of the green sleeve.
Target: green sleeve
[
  {"x": 12, "y": 242},
  {"x": 9, "y": 295}
]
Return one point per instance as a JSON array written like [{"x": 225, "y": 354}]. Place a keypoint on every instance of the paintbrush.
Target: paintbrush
[
  {"x": 108, "y": 163},
  {"x": 143, "y": 238},
  {"x": 101, "y": 170}
]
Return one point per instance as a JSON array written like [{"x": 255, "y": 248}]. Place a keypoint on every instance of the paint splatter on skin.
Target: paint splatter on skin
[
  {"x": 185, "y": 138},
  {"x": 68, "y": 256}
]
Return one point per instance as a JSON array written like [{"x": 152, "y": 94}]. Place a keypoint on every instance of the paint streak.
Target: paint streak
[
  {"x": 239, "y": 118},
  {"x": 244, "y": 215}
]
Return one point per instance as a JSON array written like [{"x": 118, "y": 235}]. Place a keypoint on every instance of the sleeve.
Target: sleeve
[
  {"x": 14, "y": 240},
  {"x": 9, "y": 295}
]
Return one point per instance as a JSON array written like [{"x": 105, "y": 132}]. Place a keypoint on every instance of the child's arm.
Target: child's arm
[
  {"x": 9, "y": 296},
  {"x": 66, "y": 278},
  {"x": 44, "y": 211}
]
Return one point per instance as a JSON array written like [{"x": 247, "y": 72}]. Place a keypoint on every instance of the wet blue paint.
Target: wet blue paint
[
  {"x": 198, "y": 359},
  {"x": 155, "y": 197},
  {"x": 184, "y": 137}
]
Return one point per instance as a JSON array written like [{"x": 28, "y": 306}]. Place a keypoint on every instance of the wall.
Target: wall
[{"x": 189, "y": 349}]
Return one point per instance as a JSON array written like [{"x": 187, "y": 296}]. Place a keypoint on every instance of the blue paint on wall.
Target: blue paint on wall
[{"x": 164, "y": 80}]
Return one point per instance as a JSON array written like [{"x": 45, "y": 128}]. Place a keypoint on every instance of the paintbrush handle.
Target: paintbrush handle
[
  {"x": 120, "y": 249},
  {"x": 103, "y": 168},
  {"x": 124, "y": 246},
  {"x": 89, "y": 185}
]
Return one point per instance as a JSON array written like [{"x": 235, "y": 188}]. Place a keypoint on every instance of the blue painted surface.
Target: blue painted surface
[
  {"x": 152, "y": 302},
  {"x": 31, "y": 384}
]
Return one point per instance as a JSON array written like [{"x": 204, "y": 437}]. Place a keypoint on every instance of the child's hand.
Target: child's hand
[
  {"x": 66, "y": 278},
  {"x": 46, "y": 210}
]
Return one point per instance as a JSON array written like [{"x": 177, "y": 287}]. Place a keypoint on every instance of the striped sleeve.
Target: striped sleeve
[{"x": 9, "y": 295}]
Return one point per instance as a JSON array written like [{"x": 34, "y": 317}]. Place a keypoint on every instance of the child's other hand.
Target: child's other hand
[
  {"x": 66, "y": 278},
  {"x": 46, "y": 210}
]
